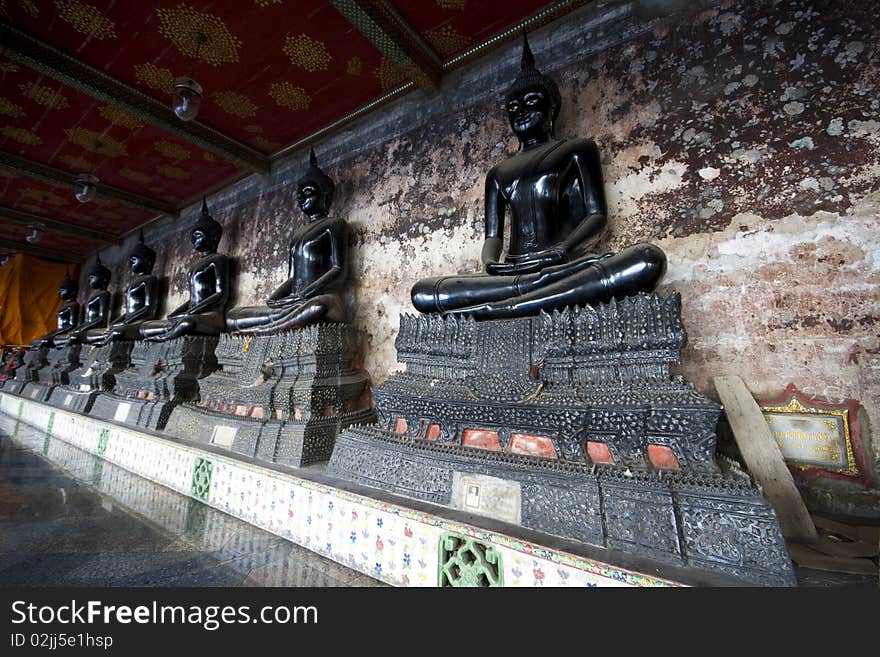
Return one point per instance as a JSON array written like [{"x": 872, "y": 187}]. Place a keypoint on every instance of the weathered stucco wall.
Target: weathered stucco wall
[{"x": 744, "y": 140}]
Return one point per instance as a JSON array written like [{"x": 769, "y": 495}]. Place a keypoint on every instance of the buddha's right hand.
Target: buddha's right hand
[
  {"x": 284, "y": 302},
  {"x": 535, "y": 262}
]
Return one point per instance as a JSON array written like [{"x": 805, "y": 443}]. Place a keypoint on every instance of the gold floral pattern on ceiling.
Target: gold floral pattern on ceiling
[
  {"x": 95, "y": 142},
  {"x": 8, "y": 108},
  {"x": 307, "y": 53},
  {"x": 290, "y": 96},
  {"x": 447, "y": 40},
  {"x": 120, "y": 118},
  {"x": 262, "y": 4},
  {"x": 21, "y": 135},
  {"x": 8, "y": 67},
  {"x": 86, "y": 19},
  {"x": 27, "y": 6},
  {"x": 104, "y": 202},
  {"x": 354, "y": 66},
  {"x": 181, "y": 23},
  {"x": 175, "y": 173},
  {"x": 264, "y": 144},
  {"x": 31, "y": 207},
  {"x": 209, "y": 157},
  {"x": 253, "y": 128},
  {"x": 76, "y": 163},
  {"x": 388, "y": 74},
  {"x": 235, "y": 103},
  {"x": 172, "y": 150},
  {"x": 155, "y": 77},
  {"x": 107, "y": 214},
  {"x": 42, "y": 196},
  {"x": 45, "y": 96},
  {"x": 135, "y": 176},
  {"x": 458, "y": 5}
]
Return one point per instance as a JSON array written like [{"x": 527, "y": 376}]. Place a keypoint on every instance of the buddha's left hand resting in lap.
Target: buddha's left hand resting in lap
[
  {"x": 317, "y": 269},
  {"x": 208, "y": 278}
]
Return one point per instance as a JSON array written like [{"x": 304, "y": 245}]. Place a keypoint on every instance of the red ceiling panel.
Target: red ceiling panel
[
  {"x": 48, "y": 122},
  {"x": 272, "y": 71},
  {"x": 52, "y": 241},
  {"x": 57, "y": 202}
]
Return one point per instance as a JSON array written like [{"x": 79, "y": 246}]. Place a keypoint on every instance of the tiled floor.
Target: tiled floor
[{"x": 58, "y": 529}]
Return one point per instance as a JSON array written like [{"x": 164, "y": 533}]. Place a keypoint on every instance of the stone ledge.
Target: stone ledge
[{"x": 383, "y": 536}]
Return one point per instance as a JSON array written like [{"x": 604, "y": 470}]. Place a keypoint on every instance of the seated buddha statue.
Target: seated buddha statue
[
  {"x": 140, "y": 299},
  {"x": 68, "y": 316},
  {"x": 208, "y": 280},
  {"x": 97, "y": 308},
  {"x": 551, "y": 190},
  {"x": 317, "y": 269}
]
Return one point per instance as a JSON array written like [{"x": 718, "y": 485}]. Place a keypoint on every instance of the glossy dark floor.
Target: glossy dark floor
[{"x": 69, "y": 528}]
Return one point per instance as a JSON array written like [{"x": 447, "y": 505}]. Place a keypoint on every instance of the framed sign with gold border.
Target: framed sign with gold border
[{"x": 818, "y": 439}]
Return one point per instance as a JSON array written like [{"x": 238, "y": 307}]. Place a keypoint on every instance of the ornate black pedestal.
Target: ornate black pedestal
[
  {"x": 571, "y": 424},
  {"x": 34, "y": 360},
  {"x": 280, "y": 398},
  {"x": 60, "y": 361},
  {"x": 98, "y": 371},
  {"x": 161, "y": 376}
]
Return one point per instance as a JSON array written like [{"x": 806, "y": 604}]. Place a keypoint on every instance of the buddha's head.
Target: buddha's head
[
  {"x": 142, "y": 258},
  {"x": 68, "y": 289},
  {"x": 314, "y": 191},
  {"x": 533, "y": 101},
  {"x": 207, "y": 233},
  {"x": 99, "y": 276}
]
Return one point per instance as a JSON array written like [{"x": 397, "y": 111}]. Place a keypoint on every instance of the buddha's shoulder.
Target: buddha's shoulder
[
  {"x": 578, "y": 146},
  {"x": 213, "y": 258}
]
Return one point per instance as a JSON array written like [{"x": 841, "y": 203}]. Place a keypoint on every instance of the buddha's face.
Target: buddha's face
[
  {"x": 139, "y": 264},
  {"x": 311, "y": 200},
  {"x": 67, "y": 292},
  {"x": 98, "y": 281},
  {"x": 203, "y": 241},
  {"x": 530, "y": 113}
]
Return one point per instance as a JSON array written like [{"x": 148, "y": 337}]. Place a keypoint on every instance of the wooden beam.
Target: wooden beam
[
  {"x": 40, "y": 56},
  {"x": 46, "y": 254},
  {"x": 763, "y": 458},
  {"x": 55, "y": 226},
  {"x": 44, "y": 172},
  {"x": 391, "y": 35}
]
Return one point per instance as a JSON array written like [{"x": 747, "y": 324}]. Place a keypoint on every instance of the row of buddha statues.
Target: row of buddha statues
[{"x": 550, "y": 193}]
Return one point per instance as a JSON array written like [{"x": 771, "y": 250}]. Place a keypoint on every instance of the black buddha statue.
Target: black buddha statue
[
  {"x": 68, "y": 316},
  {"x": 552, "y": 192},
  {"x": 208, "y": 278},
  {"x": 97, "y": 308},
  {"x": 140, "y": 299},
  {"x": 317, "y": 270}
]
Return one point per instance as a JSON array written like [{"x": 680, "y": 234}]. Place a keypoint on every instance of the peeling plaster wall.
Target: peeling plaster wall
[{"x": 744, "y": 139}]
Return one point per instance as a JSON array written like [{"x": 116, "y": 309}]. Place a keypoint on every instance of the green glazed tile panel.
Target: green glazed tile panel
[
  {"x": 466, "y": 562},
  {"x": 201, "y": 479}
]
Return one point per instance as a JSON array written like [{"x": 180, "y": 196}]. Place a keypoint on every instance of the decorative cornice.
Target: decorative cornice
[
  {"x": 58, "y": 177},
  {"x": 55, "y": 226},
  {"x": 46, "y": 59},
  {"x": 391, "y": 35}
]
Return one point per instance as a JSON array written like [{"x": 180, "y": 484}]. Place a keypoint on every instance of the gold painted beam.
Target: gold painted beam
[
  {"x": 49, "y": 174},
  {"x": 20, "y": 218},
  {"x": 39, "y": 252},
  {"x": 391, "y": 35},
  {"x": 40, "y": 56}
]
